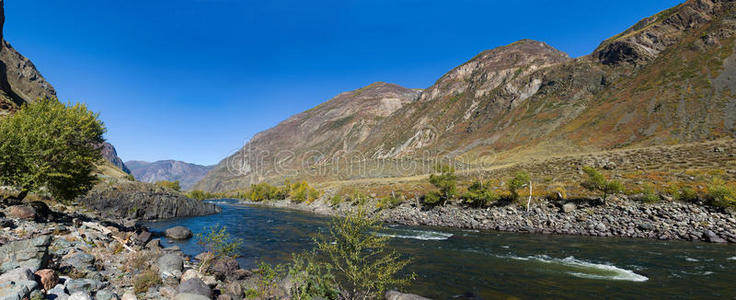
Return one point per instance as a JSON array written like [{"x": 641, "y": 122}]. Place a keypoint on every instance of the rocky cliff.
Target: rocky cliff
[
  {"x": 187, "y": 174},
  {"x": 668, "y": 79}
]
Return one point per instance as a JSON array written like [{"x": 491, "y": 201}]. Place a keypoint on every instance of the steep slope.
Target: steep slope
[
  {"x": 187, "y": 174},
  {"x": 111, "y": 155},
  {"x": 668, "y": 79}
]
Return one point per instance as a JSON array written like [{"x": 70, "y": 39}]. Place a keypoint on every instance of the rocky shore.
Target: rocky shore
[{"x": 616, "y": 217}]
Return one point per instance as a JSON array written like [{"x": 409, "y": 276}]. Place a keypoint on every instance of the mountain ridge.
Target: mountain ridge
[{"x": 170, "y": 170}]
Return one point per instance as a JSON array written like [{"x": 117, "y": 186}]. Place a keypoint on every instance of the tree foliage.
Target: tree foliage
[
  {"x": 174, "y": 185},
  {"x": 521, "y": 178},
  {"x": 480, "y": 194},
  {"x": 217, "y": 240},
  {"x": 48, "y": 144},
  {"x": 597, "y": 182},
  {"x": 446, "y": 182}
]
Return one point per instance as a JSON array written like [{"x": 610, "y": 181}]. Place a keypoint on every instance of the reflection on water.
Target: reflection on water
[{"x": 489, "y": 265}]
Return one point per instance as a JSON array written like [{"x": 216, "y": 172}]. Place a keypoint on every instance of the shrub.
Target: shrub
[
  {"x": 202, "y": 195},
  {"x": 269, "y": 278},
  {"x": 597, "y": 182},
  {"x": 311, "y": 278},
  {"x": 218, "y": 241},
  {"x": 145, "y": 280},
  {"x": 480, "y": 195},
  {"x": 446, "y": 182},
  {"x": 432, "y": 199},
  {"x": 130, "y": 177},
  {"x": 687, "y": 194},
  {"x": 721, "y": 194},
  {"x": 47, "y": 144},
  {"x": 335, "y": 200},
  {"x": 301, "y": 191},
  {"x": 650, "y": 194},
  {"x": 521, "y": 179},
  {"x": 391, "y": 201},
  {"x": 174, "y": 185},
  {"x": 358, "y": 198},
  {"x": 361, "y": 257}
]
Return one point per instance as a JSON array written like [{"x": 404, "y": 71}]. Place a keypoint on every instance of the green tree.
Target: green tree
[
  {"x": 48, "y": 144},
  {"x": 446, "y": 182},
  {"x": 356, "y": 254},
  {"x": 174, "y": 185},
  {"x": 521, "y": 179},
  {"x": 597, "y": 182},
  {"x": 480, "y": 195}
]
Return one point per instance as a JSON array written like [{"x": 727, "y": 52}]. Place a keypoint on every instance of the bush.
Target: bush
[
  {"x": 721, "y": 194},
  {"x": 446, "y": 182},
  {"x": 301, "y": 191},
  {"x": 218, "y": 241},
  {"x": 361, "y": 257},
  {"x": 480, "y": 195},
  {"x": 311, "y": 279},
  {"x": 650, "y": 194},
  {"x": 521, "y": 179},
  {"x": 174, "y": 185},
  {"x": 130, "y": 177},
  {"x": 391, "y": 201},
  {"x": 597, "y": 182},
  {"x": 687, "y": 194},
  {"x": 202, "y": 195},
  {"x": 145, "y": 280},
  {"x": 432, "y": 199},
  {"x": 335, "y": 200},
  {"x": 47, "y": 144},
  {"x": 269, "y": 280}
]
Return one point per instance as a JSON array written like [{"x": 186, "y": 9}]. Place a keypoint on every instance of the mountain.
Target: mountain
[
  {"x": 669, "y": 79},
  {"x": 187, "y": 174}
]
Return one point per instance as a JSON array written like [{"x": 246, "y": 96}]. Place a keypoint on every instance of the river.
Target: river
[{"x": 464, "y": 264}]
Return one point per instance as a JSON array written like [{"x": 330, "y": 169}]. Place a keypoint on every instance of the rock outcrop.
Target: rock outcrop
[{"x": 145, "y": 201}]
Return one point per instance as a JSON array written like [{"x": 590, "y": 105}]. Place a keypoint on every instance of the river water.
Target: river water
[{"x": 463, "y": 264}]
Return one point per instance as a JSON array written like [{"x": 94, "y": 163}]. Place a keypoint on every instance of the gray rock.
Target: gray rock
[
  {"x": 12, "y": 290},
  {"x": 154, "y": 244},
  {"x": 31, "y": 253},
  {"x": 79, "y": 296},
  {"x": 169, "y": 265},
  {"x": 712, "y": 237},
  {"x": 142, "y": 238},
  {"x": 83, "y": 285},
  {"x": 396, "y": 295},
  {"x": 568, "y": 207},
  {"x": 224, "y": 267},
  {"x": 58, "y": 292},
  {"x": 189, "y": 296},
  {"x": 82, "y": 262},
  {"x": 195, "y": 286},
  {"x": 19, "y": 274},
  {"x": 178, "y": 233},
  {"x": 646, "y": 226},
  {"x": 106, "y": 295}
]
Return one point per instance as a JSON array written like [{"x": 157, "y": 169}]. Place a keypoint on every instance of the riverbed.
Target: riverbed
[{"x": 471, "y": 264}]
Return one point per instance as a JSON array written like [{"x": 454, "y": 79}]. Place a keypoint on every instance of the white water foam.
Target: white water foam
[
  {"x": 584, "y": 269},
  {"x": 424, "y": 235},
  {"x": 732, "y": 258},
  {"x": 691, "y": 259}
]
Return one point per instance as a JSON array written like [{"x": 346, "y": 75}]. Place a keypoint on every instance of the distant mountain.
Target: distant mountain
[
  {"x": 111, "y": 155},
  {"x": 187, "y": 174},
  {"x": 669, "y": 79}
]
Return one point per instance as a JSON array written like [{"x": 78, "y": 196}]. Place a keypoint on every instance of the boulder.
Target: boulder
[
  {"x": 195, "y": 286},
  {"x": 79, "y": 296},
  {"x": 170, "y": 265},
  {"x": 106, "y": 295},
  {"x": 17, "y": 275},
  {"x": 129, "y": 295},
  {"x": 189, "y": 296},
  {"x": 568, "y": 207},
  {"x": 30, "y": 253},
  {"x": 17, "y": 290},
  {"x": 84, "y": 285},
  {"x": 141, "y": 238},
  {"x": 189, "y": 274},
  {"x": 81, "y": 262},
  {"x": 712, "y": 237},
  {"x": 42, "y": 210},
  {"x": 48, "y": 278},
  {"x": 396, "y": 295},
  {"x": 178, "y": 233},
  {"x": 224, "y": 267},
  {"x": 154, "y": 244},
  {"x": 234, "y": 289},
  {"x": 22, "y": 212},
  {"x": 57, "y": 293}
]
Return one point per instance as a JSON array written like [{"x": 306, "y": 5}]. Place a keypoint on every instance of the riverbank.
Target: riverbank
[{"x": 617, "y": 217}]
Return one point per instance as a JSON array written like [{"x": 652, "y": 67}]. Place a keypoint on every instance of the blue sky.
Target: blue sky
[{"x": 193, "y": 79}]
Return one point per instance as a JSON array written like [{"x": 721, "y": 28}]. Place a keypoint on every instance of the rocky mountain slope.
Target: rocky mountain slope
[
  {"x": 668, "y": 79},
  {"x": 187, "y": 174}
]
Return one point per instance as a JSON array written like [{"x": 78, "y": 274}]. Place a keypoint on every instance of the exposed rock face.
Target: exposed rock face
[
  {"x": 30, "y": 253},
  {"x": 187, "y": 174},
  {"x": 111, "y": 155},
  {"x": 668, "y": 79},
  {"x": 144, "y": 201}
]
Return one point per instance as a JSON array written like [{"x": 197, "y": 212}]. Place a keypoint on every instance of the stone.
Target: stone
[
  {"x": 224, "y": 267},
  {"x": 57, "y": 293},
  {"x": 30, "y": 253},
  {"x": 712, "y": 237},
  {"x": 646, "y": 226},
  {"x": 190, "y": 296},
  {"x": 396, "y": 295},
  {"x": 178, "y": 233},
  {"x": 79, "y": 296},
  {"x": 234, "y": 289},
  {"x": 48, "y": 278},
  {"x": 85, "y": 285},
  {"x": 225, "y": 297},
  {"x": 154, "y": 244},
  {"x": 81, "y": 262},
  {"x": 142, "y": 238},
  {"x": 167, "y": 292},
  {"x": 19, "y": 274},
  {"x": 601, "y": 227},
  {"x": 16, "y": 289},
  {"x": 568, "y": 207},
  {"x": 22, "y": 212},
  {"x": 106, "y": 295},
  {"x": 195, "y": 286},
  {"x": 189, "y": 274},
  {"x": 209, "y": 280},
  {"x": 170, "y": 265},
  {"x": 7, "y": 223},
  {"x": 42, "y": 210},
  {"x": 129, "y": 295}
]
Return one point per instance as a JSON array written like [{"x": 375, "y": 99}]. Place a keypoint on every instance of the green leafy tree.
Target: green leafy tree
[
  {"x": 48, "y": 144},
  {"x": 597, "y": 182},
  {"x": 363, "y": 259},
  {"x": 174, "y": 185},
  {"x": 217, "y": 240},
  {"x": 446, "y": 182},
  {"x": 480, "y": 195},
  {"x": 521, "y": 179}
]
